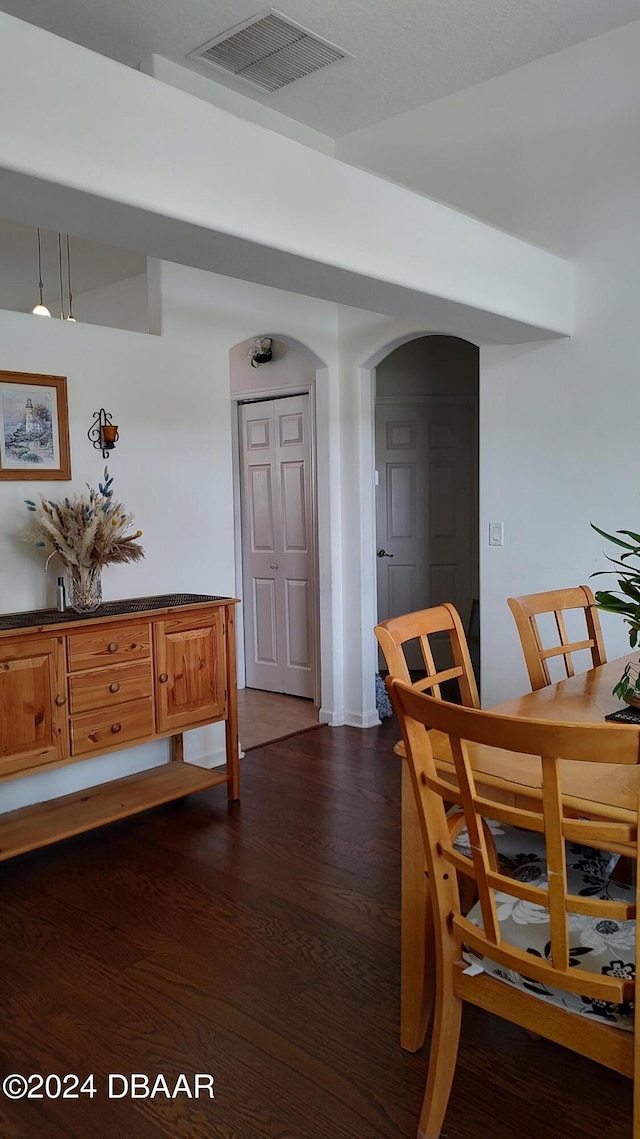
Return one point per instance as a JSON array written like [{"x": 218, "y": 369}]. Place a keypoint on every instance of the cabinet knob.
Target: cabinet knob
[
  {"x": 115, "y": 687},
  {"x": 163, "y": 678},
  {"x": 60, "y": 700},
  {"x": 113, "y": 647},
  {"x": 115, "y": 728}
]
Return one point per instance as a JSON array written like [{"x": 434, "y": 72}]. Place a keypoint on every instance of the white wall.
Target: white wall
[
  {"x": 174, "y": 418},
  {"x": 205, "y": 87},
  {"x": 559, "y": 450},
  {"x": 123, "y": 304},
  {"x": 174, "y": 446}
]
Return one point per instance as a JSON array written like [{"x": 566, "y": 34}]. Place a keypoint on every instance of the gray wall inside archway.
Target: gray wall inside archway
[
  {"x": 429, "y": 365},
  {"x": 444, "y": 369}
]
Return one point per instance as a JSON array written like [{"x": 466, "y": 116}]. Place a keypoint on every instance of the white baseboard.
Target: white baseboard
[
  {"x": 215, "y": 759},
  {"x": 351, "y": 719},
  {"x": 327, "y": 717},
  {"x": 366, "y": 720}
]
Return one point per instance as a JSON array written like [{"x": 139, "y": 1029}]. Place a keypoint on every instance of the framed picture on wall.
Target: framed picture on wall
[{"x": 34, "y": 427}]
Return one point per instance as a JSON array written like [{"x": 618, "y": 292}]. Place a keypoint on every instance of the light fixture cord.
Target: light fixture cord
[
  {"x": 60, "y": 268},
  {"x": 69, "y": 280},
  {"x": 40, "y": 284}
]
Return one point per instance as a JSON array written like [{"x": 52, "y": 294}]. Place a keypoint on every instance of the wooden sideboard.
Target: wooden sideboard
[{"x": 76, "y": 686}]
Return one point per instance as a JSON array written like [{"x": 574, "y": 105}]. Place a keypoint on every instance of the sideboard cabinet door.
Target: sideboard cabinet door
[
  {"x": 190, "y": 670},
  {"x": 33, "y": 703}
]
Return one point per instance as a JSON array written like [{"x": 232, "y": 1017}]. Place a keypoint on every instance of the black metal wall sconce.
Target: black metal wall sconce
[{"x": 103, "y": 433}]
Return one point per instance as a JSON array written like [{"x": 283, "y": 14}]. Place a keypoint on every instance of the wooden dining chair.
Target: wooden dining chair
[
  {"x": 557, "y": 601},
  {"x": 396, "y": 634},
  {"x": 394, "y": 637},
  {"x": 556, "y": 954}
]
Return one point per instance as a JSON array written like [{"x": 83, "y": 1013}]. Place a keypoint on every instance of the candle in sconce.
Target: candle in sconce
[{"x": 109, "y": 435}]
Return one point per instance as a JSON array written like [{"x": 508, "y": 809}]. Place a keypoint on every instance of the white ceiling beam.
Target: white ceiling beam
[{"x": 100, "y": 150}]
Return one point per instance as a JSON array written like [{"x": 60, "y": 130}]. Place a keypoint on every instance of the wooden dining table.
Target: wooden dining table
[{"x": 507, "y": 777}]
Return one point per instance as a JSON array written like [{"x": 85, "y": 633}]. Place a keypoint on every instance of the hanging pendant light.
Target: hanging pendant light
[
  {"x": 70, "y": 315},
  {"x": 62, "y": 314},
  {"x": 41, "y": 308}
]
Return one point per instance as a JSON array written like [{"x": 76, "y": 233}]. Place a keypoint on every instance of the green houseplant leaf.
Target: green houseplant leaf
[
  {"x": 612, "y": 538},
  {"x": 625, "y": 602}
]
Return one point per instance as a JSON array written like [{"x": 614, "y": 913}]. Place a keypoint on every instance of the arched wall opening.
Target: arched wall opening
[
  {"x": 362, "y": 697},
  {"x": 293, "y": 370}
]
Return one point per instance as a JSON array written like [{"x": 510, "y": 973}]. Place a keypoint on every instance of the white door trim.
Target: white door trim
[{"x": 368, "y": 652}]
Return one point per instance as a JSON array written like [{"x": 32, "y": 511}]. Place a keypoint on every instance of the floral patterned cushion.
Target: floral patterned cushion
[
  {"x": 597, "y": 945},
  {"x": 518, "y": 849}
]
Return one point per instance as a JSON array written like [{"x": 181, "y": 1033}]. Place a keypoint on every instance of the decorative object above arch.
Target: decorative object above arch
[{"x": 260, "y": 351}]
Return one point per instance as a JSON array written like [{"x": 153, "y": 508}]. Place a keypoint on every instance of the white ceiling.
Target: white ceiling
[{"x": 405, "y": 53}]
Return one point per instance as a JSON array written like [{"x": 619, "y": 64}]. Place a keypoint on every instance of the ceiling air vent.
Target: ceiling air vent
[{"x": 268, "y": 51}]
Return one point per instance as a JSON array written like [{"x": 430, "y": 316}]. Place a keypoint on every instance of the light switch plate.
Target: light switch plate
[{"x": 496, "y": 533}]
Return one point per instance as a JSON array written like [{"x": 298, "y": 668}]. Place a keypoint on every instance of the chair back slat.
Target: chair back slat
[
  {"x": 512, "y": 816},
  {"x": 429, "y": 662},
  {"x": 591, "y": 743},
  {"x": 435, "y": 679},
  {"x": 556, "y": 863},
  {"x": 588, "y": 832},
  {"x": 537, "y": 895},
  {"x": 576, "y": 980},
  {"x": 477, "y": 839},
  {"x": 564, "y": 641},
  {"x": 557, "y": 601},
  {"x": 554, "y": 744}
]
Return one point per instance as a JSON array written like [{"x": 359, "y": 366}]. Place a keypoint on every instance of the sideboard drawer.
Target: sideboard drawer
[
  {"x": 109, "y": 645},
  {"x": 94, "y": 731},
  {"x": 102, "y": 687}
]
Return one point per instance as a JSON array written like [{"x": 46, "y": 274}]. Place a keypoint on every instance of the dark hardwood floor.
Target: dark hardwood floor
[{"x": 258, "y": 943}]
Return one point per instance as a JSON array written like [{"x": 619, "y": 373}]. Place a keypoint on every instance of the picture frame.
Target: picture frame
[{"x": 34, "y": 427}]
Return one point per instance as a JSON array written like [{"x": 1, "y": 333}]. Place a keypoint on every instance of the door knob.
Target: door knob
[
  {"x": 273, "y": 565},
  {"x": 383, "y": 553}
]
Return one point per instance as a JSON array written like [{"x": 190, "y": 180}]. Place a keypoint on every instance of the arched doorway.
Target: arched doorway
[
  {"x": 277, "y": 546},
  {"x": 426, "y": 457},
  {"x": 361, "y": 650}
]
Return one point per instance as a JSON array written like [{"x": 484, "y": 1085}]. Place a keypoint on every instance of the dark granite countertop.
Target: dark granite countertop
[{"x": 37, "y": 617}]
